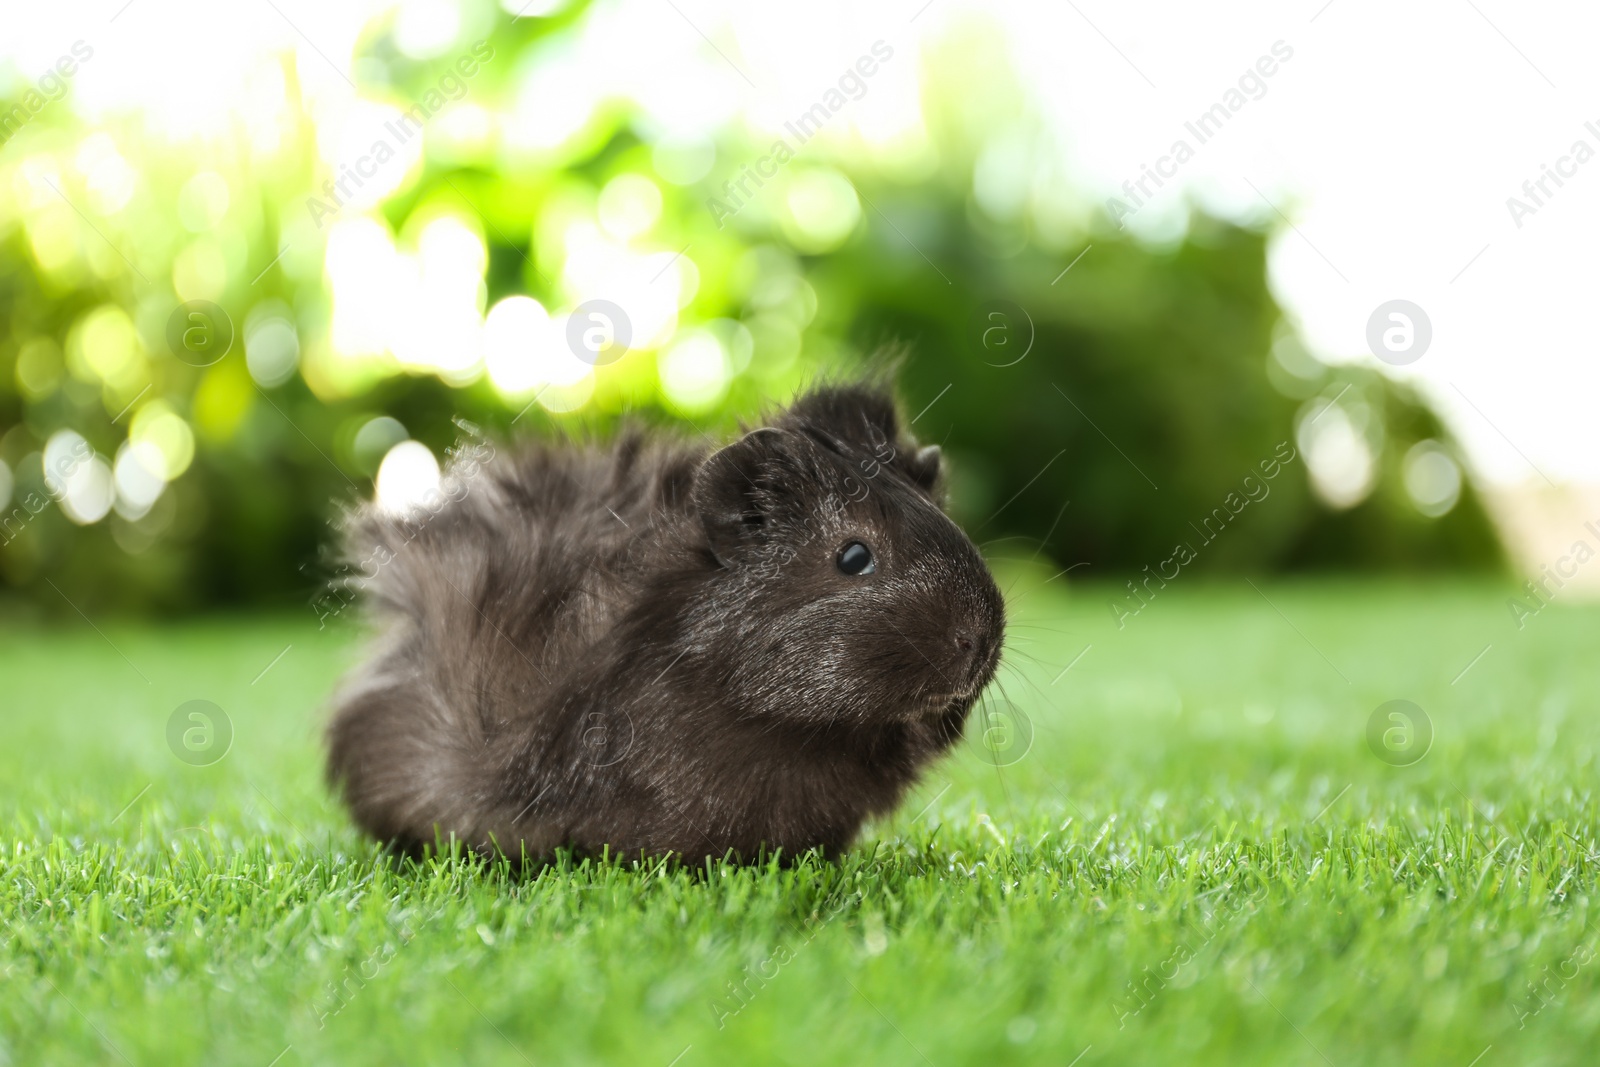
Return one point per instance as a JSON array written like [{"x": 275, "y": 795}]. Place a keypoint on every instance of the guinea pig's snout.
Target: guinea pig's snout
[
  {"x": 971, "y": 650},
  {"x": 974, "y": 639}
]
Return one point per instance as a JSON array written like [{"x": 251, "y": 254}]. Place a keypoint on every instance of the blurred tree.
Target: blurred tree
[
  {"x": 1102, "y": 398},
  {"x": 1126, "y": 408}
]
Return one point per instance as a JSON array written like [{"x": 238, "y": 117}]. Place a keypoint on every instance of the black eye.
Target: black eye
[{"x": 856, "y": 558}]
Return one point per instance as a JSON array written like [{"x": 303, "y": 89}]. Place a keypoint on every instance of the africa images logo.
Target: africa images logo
[
  {"x": 50, "y": 86},
  {"x": 852, "y": 84},
  {"x": 451, "y": 86},
  {"x": 1254, "y": 490},
  {"x": 1251, "y": 85}
]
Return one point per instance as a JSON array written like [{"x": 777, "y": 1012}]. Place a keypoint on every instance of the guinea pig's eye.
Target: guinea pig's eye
[{"x": 856, "y": 558}]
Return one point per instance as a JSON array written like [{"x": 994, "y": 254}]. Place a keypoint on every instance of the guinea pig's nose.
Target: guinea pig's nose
[{"x": 963, "y": 641}]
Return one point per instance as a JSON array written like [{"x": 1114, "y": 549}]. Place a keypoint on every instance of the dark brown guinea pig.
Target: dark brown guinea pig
[{"x": 657, "y": 648}]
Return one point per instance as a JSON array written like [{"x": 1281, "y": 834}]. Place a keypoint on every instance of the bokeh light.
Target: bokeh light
[
  {"x": 695, "y": 372},
  {"x": 408, "y": 479},
  {"x": 1432, "y": 477}
]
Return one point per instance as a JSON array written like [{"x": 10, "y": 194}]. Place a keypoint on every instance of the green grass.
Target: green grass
[{"x": 1199, "y": 815}]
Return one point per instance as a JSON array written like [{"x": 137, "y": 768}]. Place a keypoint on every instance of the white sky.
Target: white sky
[{"x": 1391, "y": 139}]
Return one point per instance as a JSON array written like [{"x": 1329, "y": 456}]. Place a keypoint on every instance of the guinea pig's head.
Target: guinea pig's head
[{"x": 841, "y": 589}]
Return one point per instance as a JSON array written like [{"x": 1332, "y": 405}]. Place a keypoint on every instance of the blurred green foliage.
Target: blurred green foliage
[
  {"x": 1136, "y": 404},
  {"x": 1155, "y": 379}
]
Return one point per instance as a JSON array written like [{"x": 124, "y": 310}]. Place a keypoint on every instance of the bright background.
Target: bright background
[{"x": 579, "y": 161}]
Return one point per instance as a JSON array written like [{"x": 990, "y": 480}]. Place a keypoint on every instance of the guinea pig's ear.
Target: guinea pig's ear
[
  {"x": 923, "y": 467},
  {"x": 738, "y": 489}
]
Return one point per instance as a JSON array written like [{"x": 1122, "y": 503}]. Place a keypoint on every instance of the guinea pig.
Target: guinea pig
[{"x": 659, "y": 648}]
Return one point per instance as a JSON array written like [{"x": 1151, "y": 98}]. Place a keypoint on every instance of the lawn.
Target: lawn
[{"x": 1197, "y": 858}]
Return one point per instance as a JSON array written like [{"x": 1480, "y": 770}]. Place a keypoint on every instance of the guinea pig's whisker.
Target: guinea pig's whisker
[
  {"x": 1029, "y": 656},
  {"x": 999, "y": 540},
  {"x": 1038, "y": 626},
  {"x": 1026, "y": 680}
]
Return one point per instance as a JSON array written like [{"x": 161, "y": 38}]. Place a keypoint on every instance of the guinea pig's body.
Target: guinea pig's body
[{"x": 662, "y": 648}]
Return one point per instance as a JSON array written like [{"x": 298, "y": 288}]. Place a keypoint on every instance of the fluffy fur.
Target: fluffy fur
[{"x": 651, "y": 647}]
